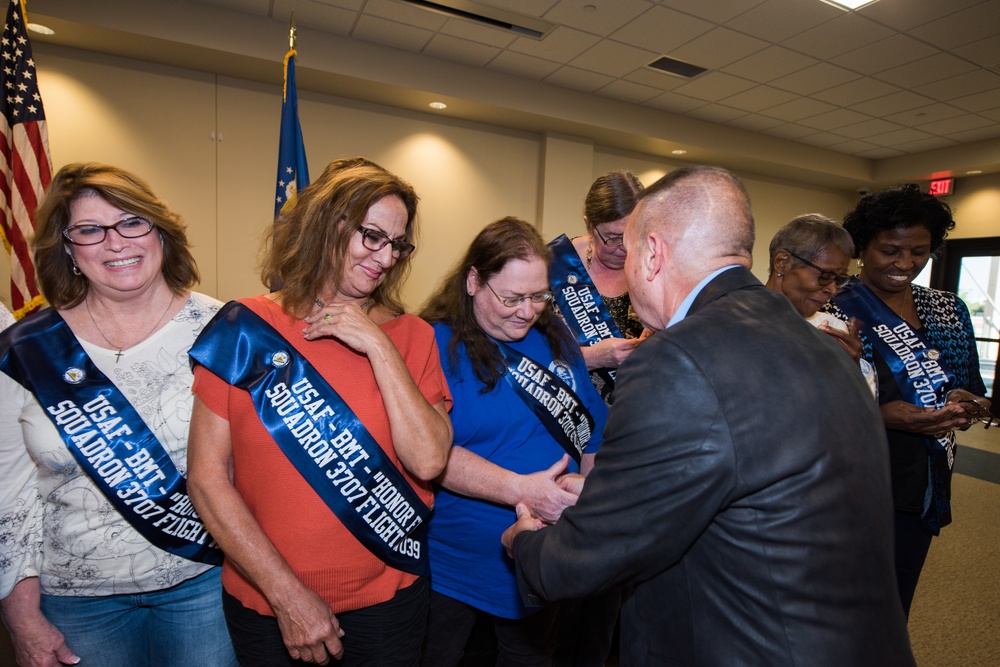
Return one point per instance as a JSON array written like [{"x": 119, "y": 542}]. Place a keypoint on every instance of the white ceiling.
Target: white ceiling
[{"x": 896, "y": 83}]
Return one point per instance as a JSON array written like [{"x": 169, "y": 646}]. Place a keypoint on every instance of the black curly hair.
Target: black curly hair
[{"x": 898, "y": 207}]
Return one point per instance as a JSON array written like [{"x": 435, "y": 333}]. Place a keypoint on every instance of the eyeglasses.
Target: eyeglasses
[
  {"x": 375, "y": 240},
  {"x": 613, "y": 241},
  {"x": 825, "y": 277},
  {"x": 976, "y": 410},
  {"x": 129, "y": 228},
  {"x": 515, "y": 301}
]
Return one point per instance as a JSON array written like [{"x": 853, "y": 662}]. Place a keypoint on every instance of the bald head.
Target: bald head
[
  {"x": 686, "y": 225},
  {"x": 703, "y": 213}
]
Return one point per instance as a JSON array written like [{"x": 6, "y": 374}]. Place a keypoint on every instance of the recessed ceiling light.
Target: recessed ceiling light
[
  {"x": 679, "y": 151},
  {"x": 41, "y": 29},
  {"x": 438, "y": 105},
  {"x": 973, "y": 172},
  {"x": 849, "y": 5}
]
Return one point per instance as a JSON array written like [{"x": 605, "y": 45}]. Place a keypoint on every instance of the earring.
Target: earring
[
  {"x": 861, "y": 263},
  {"x": 76, "y": 270},
  {"x": 780, "y": 274}
]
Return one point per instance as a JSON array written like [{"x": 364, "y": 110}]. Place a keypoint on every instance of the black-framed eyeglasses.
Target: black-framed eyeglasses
[
  {"x": 515, "y": 301},
  {"x": 612, "y": 241},
  {"x": 825, "y": 277},
  {"x": 375, "y": 240},
  {"x": 129, "y": 228}
]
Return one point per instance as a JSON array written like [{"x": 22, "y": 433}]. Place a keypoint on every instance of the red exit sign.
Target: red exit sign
[{"x": 941, "y": 187}]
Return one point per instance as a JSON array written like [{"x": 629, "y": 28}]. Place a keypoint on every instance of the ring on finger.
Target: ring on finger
[{"x": 328, "y": 318}]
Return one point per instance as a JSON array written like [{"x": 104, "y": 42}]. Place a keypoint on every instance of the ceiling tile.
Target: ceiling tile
[
  {"x": 769, "y": 64},
  {"x": 969, "y": 121},
  {"x": 522, "y": 65},
  {"x": 886, "y": 54},
  {"x": 717, "y": 48},
  {"x": 925, "y": 145},
  {"x": 926, "y": 70},
  {"x": 970, "y": 83},
  {"x": 628, "y": 91},
  {"x": 978, "y": 102},
  {"x": 599, "y": 18},
  {"x": 962, "y": 27},
  {"x": 891, "y": 104},
  {"x": 839, "y": 118},
  {"x": 472, "y": 31},
  {"x": 852, "y": 147},
  {"x": 713, "y": 86},
  {"x": 898, "y": 137},
  {"x": 717, "y": 113},
  {"x": 777, "y": 20},
  {"x": 985, "y": 52},
  {"x": 647, "y": 76},
  {"x": 390, "y": 33},
  {"x": 661, "y": 30},
  {"x": 756, "y": 123},
  {"x": 759, "y": 97},
  {"x": 529, "y": 7},
  {"x": 613, "y": 58},
  {"x": 822, "y": 139},
  {"x": 402, "y": 12},
  {"x": 579, "y": 79},
  {"x": 867, "y": 128},
  {"x": 337, "y": 20},
  {"x": 843, "y": 34},
  {"x": 795, "y": 110},
  {"x": 674, "y": 102},
  {"x": 790, "y": 131},
  {"x": 561, "y": 45},
  {"x": 859, "y": 90},
  {"x": 928, "y": 114},
  {"x": 460, "y": 50},
  {"x": 881, "y": 153},
  {"x": 907, "y": 15},
  {"x": 980, "y": 134},
  {"x": 815, "y": 78},
  {"x": 717, "y": 12}
]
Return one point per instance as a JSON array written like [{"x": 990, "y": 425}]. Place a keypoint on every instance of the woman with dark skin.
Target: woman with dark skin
[{"x": 922, "y": 344}]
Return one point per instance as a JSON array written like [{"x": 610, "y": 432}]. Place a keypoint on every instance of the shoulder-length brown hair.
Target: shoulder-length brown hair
[
  {"x": 305, "y": 251},
  {"x": 64, "y": 289},
  {"x": 498, "y": 243}
]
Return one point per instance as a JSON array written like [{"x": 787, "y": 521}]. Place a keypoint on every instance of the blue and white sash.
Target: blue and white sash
[
  {"x": 556, "y": 405},
  {"x": 579, "y": 302},
  {"x": 320, "y": 435},
  {"x": 107, "y": 437},
  {"x": 923, "y": 378}
]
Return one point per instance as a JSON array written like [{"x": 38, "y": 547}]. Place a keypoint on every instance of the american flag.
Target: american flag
[{"x": 26, "y": 164}]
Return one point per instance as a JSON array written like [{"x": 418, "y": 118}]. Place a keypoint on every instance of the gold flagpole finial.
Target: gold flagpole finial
[{"x": 291, "y": 32}]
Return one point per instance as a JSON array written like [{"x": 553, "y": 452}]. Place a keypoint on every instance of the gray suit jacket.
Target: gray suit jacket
[{"x": 742, "y": 492}]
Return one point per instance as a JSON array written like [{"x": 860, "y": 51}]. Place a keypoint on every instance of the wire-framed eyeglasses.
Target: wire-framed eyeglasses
[
  {"x": 612, "y": 241},
  {"x": 825, "y": 277},
  {"x": 515, "y": 301},
  {"x": 976, "y": 410},
  {"x": 374, "y": 240},
  {"x": 129, "y": 228}
]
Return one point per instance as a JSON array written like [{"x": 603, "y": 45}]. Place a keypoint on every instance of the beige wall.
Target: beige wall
[{"x": 208, "y": 146}]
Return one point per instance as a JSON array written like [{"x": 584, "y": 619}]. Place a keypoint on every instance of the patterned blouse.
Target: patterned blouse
[
  {"x": 54, "y": 522},
  {"x": 628, "y": 324}
]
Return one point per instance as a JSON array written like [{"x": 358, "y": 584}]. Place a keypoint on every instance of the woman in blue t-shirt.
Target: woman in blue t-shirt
[{"x": 527, "y": 421}]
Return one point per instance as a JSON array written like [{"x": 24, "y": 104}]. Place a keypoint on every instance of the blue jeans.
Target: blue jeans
[{"x": 182, "y": 626}]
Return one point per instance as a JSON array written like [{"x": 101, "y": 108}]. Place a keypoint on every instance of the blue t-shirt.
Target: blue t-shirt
[{"x": 468, "y": 562}]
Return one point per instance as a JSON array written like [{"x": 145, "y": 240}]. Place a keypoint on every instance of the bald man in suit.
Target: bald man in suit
[{"x": 742, "y": 490}]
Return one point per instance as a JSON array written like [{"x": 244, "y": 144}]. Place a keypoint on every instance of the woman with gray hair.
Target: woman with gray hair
[{"x": 809, "y": 259}]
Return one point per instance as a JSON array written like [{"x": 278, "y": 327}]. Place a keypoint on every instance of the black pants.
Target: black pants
[
  {"x": 520, "y": 642},
  {"x": 585, "y": 630},
  {"x": 912, "y": 544},
  {"x": 389, "y": 634}
]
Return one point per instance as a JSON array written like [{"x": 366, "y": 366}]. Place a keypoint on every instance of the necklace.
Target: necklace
[
  {"x": 121, "y": 348},
  {"x": 364, "y": 304},
  {"x": 590, "y": 254},
  {"x": 907, "y": 299}
]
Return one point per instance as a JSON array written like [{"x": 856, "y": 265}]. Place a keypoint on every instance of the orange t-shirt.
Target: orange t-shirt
[{"x": 319, "y": 549}]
